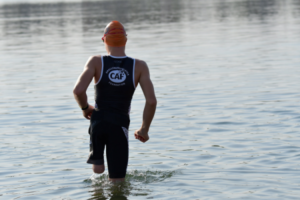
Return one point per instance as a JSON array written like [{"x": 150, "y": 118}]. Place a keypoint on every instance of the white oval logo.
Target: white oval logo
[{"x": 117, "y": 76}]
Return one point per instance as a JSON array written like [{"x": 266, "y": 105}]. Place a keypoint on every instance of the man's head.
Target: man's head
[{"x": 115, "y": 34}]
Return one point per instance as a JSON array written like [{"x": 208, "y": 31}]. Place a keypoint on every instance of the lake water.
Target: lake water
[{"x": 226, "y": 75}]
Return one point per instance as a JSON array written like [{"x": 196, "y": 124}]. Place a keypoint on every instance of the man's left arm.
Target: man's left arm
[{"x": 81, "y": 86}]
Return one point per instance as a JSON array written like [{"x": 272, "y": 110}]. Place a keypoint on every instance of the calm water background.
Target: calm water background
[{"x": 226, "y": 74}]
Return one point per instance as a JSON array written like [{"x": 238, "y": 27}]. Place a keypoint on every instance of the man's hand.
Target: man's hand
[
  {"x": 141, "y": 135},
  {"x": 88, "y": 112}
]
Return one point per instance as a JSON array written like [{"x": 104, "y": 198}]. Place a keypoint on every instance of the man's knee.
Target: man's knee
[{"x": 98, "y": 169}]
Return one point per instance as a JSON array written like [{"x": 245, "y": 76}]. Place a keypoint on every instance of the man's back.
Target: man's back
[
  {"x": 141, "y": 68},
  {"x": 116, "y": 85}
]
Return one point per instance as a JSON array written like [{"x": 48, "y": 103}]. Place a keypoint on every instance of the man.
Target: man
[{"x": 116, "y": 77}]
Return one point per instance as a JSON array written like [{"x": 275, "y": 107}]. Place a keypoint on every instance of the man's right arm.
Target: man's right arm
[{"x": 150, "y": 105}]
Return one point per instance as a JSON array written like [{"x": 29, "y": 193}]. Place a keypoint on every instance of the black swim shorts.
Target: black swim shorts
[{"x": 114, "y": 137}]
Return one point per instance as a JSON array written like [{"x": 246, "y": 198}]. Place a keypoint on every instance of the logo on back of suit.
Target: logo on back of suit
[{"x": 117, "y": 76}]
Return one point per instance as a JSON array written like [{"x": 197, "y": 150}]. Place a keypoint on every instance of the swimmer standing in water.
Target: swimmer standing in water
[{"x": 116, "y": 76}]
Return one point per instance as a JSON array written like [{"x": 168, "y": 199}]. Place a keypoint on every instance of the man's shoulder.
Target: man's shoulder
[
  {"x": 95, "y": 58},
  {"x": 94, "y": 61},
  {"x": 140, "y": 64}
]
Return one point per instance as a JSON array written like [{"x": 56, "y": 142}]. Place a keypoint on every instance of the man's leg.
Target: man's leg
[
  {"x": 117, "y": 153},
  {"x": 99, "y": 169},
  {"x": 116, "y": 180}
]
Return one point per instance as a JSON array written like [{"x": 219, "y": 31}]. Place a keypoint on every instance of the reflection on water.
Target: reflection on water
[
  {"x": 135, "y": 184},
  {"x": 226, "y": 74},
  {"x": 110, "y": 191},
  {"x": 37, "y": 19}
]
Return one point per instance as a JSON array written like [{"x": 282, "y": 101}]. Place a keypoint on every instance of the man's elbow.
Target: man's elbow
[
  {"x": 151, "y": 102},
  {"x": 77, "y": 91}
]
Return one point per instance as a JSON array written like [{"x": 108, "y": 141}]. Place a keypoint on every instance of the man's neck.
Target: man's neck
[
  {"x": 117, "y": 54},
  {"x": 116, "y": 51}
]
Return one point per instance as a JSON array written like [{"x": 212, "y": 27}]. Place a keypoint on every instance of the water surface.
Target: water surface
[{"x": 226, "y": 75}]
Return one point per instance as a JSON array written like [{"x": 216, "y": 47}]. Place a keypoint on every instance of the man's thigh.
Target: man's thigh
[
  {"x": 98, "y": 130},
  {"x": 117, "y": 152}
]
